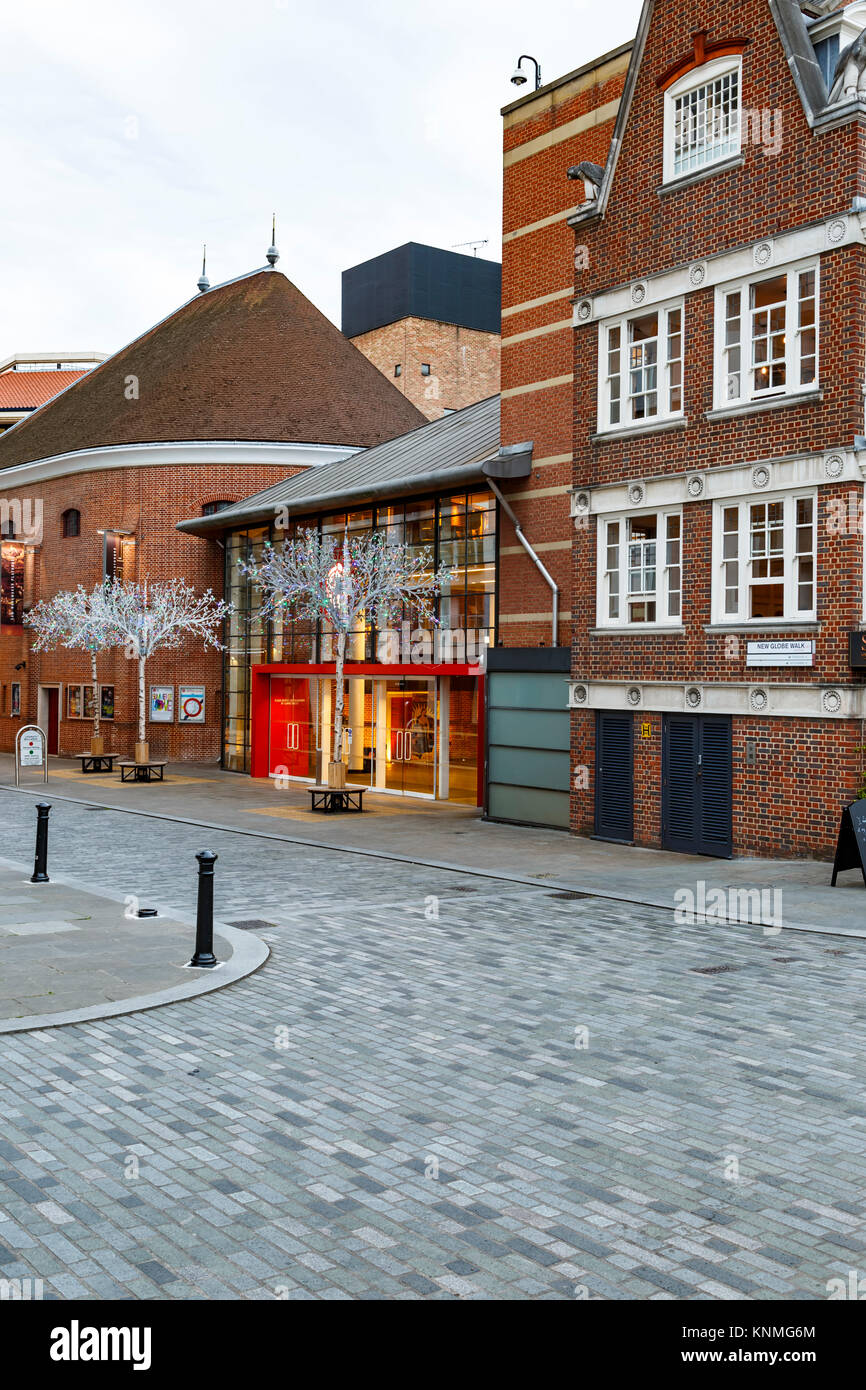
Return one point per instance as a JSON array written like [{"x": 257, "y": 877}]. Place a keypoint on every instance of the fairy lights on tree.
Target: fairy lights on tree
[
  {"x": 145, "y": 618},
  {"x": 75, "y": 619},
  {"x": 344, "y": 584}
]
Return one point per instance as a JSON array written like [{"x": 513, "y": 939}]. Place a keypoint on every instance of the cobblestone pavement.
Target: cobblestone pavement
[{"x": 437, "y": 1086}]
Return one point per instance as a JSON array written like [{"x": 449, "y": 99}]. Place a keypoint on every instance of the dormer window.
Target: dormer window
[
  {"x": 831, "y": 34},
  {"x": 827, "y": 53},
  {"x": 702, "y": 118}
]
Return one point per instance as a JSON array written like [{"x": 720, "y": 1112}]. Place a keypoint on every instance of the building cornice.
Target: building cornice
[
  {"x": 182, "y": 453},
  {"x": 756, "y": 699},
  {"x": 846, "y": 228},
  {"x": 714, "y": 484}
]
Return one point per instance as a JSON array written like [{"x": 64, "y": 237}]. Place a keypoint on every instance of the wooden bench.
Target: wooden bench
[
  {"x": 97, "y": 762},
  {"x": 140, "y": 772},
  {"x": 332, "y": 800}
]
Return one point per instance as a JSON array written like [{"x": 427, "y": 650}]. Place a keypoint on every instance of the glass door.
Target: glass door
[
  {"x": 359, "y": 736},
  {"x": 293, "y": 727},
  {"x": 406, "y": 729},
  {"x": 458, "y": 773}
]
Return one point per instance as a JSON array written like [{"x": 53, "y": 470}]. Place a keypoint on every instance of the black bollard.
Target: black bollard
[
  {"x": 204, "y": 957},
  {"x": 40, "y": 867}
]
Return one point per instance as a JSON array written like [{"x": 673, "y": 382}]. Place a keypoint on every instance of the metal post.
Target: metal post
[
  {"x": 40, "y": 867},
  {"x": 204, "y": 957}
]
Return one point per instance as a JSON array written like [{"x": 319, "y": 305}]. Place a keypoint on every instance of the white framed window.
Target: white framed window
[
  {"x": 641, "y": 368},
  {"x": 764, "y": 558},
  {"x": 767, "y": 336},
  {"x": 703, "y": 118},
  {"x": 640, "y": 569}
]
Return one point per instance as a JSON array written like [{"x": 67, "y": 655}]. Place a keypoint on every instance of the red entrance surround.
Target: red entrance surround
[{"x": 260, "y": 701}]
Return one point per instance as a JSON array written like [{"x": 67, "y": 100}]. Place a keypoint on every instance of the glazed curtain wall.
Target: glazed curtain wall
[{"x": 460, "y": 531}]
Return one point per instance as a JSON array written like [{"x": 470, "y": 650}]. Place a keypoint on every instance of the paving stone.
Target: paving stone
[{"x": 412, "y": 1044}]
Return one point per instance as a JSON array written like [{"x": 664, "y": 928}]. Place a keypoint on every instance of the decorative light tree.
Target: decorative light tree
[
  {"x": 145, "y": 618},
  {"x": 345, "y": 583},
  {"x": 75, "y": 619}
]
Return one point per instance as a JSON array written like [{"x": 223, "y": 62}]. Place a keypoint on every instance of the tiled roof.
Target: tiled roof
[
  {"x": 442, "y": 452},
  {"x": 249, "y": 360},
  {"x": 27, "y": 390}
]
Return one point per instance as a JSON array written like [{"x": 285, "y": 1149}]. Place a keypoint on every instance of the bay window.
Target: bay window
[
  {"x": 641, "y": 368},
  {"x": 767, "y": 336},
  {"x": 765, "y": 559},
  {"x": 640, "y": 569}
]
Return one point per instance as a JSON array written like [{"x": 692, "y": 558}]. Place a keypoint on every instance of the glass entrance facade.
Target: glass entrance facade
[
  {"x": 415, "y": 736},
  {"x": 406, "y": 731}
]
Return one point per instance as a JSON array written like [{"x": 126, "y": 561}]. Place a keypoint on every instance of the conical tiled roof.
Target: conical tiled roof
[{"x": 251, "y": 359}]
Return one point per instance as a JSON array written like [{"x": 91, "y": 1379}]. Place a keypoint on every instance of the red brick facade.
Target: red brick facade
[
  {"x": 463, "y": 362},
  {"x": 545, "y": 133},
  {"x": 147, "y": 502},
  {"x": 237, "y": 390},
  {"x": 787, "y": 800}
]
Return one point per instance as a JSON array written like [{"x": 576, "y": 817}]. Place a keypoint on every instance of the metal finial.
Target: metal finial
[
  {"x": 273, "y": 254},
  {"x": 203, "y": 281}
]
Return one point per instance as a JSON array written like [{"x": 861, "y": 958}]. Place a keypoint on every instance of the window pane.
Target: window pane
[{"x": 707, "y": 123}]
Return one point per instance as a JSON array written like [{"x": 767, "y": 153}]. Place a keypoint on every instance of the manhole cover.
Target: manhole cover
[
  {"x": 713, "y": 969},
  {"x": 253, "y": 924},
  {"x": 569, "y": 897}
]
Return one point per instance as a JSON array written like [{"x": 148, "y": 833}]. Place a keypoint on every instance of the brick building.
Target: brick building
[
  {"x": 29, "y": 379},
  {"x": 719, "y": 452},
  {"x": 429, "y": 320},
  {"x": 241, "y": 387},
  {"x": 545, "y": 133}
]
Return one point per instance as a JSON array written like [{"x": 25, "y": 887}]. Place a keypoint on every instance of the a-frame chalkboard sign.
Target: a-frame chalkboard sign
[{"x": 851, "y": 845}]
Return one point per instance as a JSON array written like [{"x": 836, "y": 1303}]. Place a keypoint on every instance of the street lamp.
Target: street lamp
[{"x": 519, "y": 78}]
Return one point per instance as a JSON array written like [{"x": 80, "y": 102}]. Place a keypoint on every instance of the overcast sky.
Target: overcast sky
[{"x": 130, "y": 133}]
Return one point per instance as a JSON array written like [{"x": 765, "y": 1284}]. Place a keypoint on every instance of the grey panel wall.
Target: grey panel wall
[{"x": 528, "y": 737}]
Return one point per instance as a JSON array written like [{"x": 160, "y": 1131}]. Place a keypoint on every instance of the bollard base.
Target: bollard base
[
  {"x": 40, "y": 878},
  {"x": 205, "y": 961},
  {"x": 203, "y": 965}
]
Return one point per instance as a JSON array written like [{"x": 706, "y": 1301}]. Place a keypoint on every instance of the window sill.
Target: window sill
[
  {"x": 777, "y": 625},
  {"x": 698, "y": 175},
  {"x": 724, "y": 412},
  {"x": 630, "y": 431},
  {"x": 639, "y": 629}
]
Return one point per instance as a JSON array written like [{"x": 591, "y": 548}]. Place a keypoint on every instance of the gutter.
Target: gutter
[{"x": 518, "y": 530}]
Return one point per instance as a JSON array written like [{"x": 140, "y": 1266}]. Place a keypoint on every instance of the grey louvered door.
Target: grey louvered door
[
  {"x": 614, "y": 782},
  {"x": 697, "y": 793}
]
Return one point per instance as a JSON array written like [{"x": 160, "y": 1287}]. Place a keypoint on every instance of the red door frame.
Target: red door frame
[{"x": 260, "y": 702}]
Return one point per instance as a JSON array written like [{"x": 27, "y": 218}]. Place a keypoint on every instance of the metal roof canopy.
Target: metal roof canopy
[{"x": 448, "y": 452}]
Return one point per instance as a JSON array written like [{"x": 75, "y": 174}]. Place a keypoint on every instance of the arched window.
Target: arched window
[
  {"x": 71, "y": 522},
  {"x": 703, "y": 117},
  {"x": 211, "y": 508}
]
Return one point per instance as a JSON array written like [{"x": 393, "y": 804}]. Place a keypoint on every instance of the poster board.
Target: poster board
[
  {"x": 162, "y": 704},
  {"x": 191, "y": 704}
]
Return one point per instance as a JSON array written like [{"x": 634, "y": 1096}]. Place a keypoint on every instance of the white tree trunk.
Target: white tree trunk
[
  {"x": 338, "y": 700},
  {"x": 142, "y": 737},
  {"x": 95, "y": 694}
]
